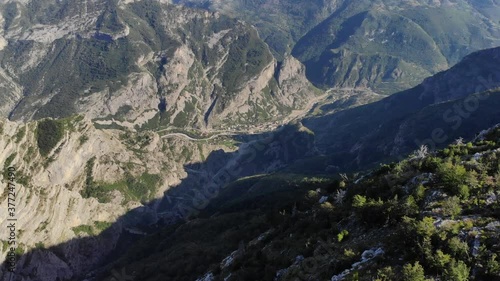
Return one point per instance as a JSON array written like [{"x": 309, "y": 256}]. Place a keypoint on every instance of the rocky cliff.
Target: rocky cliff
[
  {"x": 120, "y": 59},
  {"x": 78, "y": 199}
]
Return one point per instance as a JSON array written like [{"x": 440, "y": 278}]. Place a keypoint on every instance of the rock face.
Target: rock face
[
  {"x": 384, "y": 45},
  {"x": 113, "y": 62},
  {"x": 50, "y": 206},
  {"x": 77, "y": 204},
  {"x": 117, "y": 59}
]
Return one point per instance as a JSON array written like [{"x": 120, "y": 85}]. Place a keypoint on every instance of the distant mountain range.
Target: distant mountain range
[
  {"x": 451, "y": 104},
  {"x": 116, "y": 60},
  {"x": 219, "y": 134},
  {"x": 384, "y": 45}
]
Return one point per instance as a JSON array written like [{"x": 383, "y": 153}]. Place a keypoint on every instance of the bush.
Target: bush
[
  {"x": 20, "y": 134},
  {"x": 451, "y": 207},
  {"x": 493, "y": 267},
  {"x": 91, "y": 189},
  {"x": 48, "y": 134},
  {"x": 440, "y": 260},
  {"x": 456, "y": 271},
  {"x": 413, "y": 272},
  {"x": 431, "y": 164},
  {"x": 342, "y": 235},
  {"x": 410, "y": 206},
  {"x": 386, "y": 274},
  {"x": 457, "y": 247},
  {"x": 463, "y": 191},
  {"x": 372, "y": 212},
  {"x": 452, "y": 176},
  {"x": 419, "y": 193},
  {"x": 358, "y": 201}
]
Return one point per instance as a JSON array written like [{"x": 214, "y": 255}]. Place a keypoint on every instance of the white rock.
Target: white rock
[{"x": 207, "y": 277}]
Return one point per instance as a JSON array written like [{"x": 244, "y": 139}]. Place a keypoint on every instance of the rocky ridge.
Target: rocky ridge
[{"x": 125, "y": 56}]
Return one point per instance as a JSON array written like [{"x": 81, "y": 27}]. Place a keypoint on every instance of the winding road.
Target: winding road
[
  {"x": 296, "y": 114},
  {"x": 193, "y": 139}
]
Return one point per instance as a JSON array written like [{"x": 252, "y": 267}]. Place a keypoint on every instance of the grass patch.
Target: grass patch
[
  {"x": 10, "y": 159},
  {"x": 141, "y": 189},
  {"x": 83, "y": 229},
  {"x": 20, "y": 134}
]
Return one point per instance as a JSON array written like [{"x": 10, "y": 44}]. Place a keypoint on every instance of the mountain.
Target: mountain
[
  {"x": 387, "y": 46},
  {"x": 390, "y": 46},
  {"x": 144, "y": 63},
  {"x": 183, "y": 130},
  {"x": 433, "y": 215},
  {"x": 280, "y": 23},
  {"x": 83, "y": 193},
  {"x": 205, "y": 197},
  {"x": 451, "y": 104}
]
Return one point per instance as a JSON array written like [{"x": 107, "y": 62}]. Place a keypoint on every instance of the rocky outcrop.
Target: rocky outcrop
[
  {"x": 96, "y": 186},
  {"x": 213, "y": 71},
  {"x": 50, "y": 207}
]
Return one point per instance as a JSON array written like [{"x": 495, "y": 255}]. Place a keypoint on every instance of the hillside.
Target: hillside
[
  {"x": 434, "y": 214},
  {"x": 280, "y": 23},
  {"x": 384, "y": 45},
  {"x": 249, "y": 204},
  {"x": 141, "y": 64},
  {"x": 81, "y": 191},
  {"x": 451, "y": 104},
  {"x": 389, "y": 46},
  {"x": 190, "y": 140}
]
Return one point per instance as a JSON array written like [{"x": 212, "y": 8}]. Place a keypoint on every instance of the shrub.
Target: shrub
[
  {"x": 373, "y": 212},
  {"x": 419, "y": 193},
  {"x": 83, "y": 139},
  {"x": 440, "y": 260},
  {"x": 358, "y": 201},
  {"x": 386, "y": 274},
  {"x": 342, "y": 184},
  {"x": 451, "y": 206},
  {"x": 431, "y": 164},
  {"x": 410, "y": 205},
  {"x": 20, "y": 134},
  {"x": 348, "y": 253},
  {"x": 48, "y": 134},
  {"x": 87, "y": 229},
  {"x": 452, "y": 176},
  {"x": 10, "y": 159},
  {"x": 456, "y": 271},
  {"x": 342, "y": 235},
  {"x": 91, "y": 189},
  {"x": 413, "y": 272},
  {"x": 493, "y": 267},
  {"x": 463, "y": 191},
  {"x": 457, "y": 247}
]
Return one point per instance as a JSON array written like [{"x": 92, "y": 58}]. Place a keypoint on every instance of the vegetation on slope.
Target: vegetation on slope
[
  {"x": 48, "y": 133},
  {"x": 140, "y": 188},
  {"x": 389, "y": 49},
  {"x": 431, "y": 216}
]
